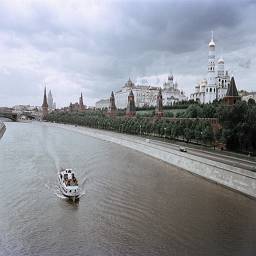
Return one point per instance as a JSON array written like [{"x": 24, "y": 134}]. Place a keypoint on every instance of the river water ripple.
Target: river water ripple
[{"x": 132, "y": 204}]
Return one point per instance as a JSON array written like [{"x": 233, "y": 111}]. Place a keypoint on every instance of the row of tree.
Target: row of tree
[
  {"x": 188, "y": 130},
  {"x": 237, "y": 124}
]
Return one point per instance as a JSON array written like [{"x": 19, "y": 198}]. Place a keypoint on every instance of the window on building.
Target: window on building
[{"x": 210, "y": 89}]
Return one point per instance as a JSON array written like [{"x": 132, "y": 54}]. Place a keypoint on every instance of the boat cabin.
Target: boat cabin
[{"x": 68, "y": 177}]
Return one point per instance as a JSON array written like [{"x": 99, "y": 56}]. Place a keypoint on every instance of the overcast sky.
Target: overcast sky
[{"x": 95, "y": 46}]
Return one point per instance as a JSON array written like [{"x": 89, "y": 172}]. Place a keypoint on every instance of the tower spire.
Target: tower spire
[
  {"x": 81, "y": 103},
  {"x": 45, "y": 99},
  {"x": 45, "y": 105}
]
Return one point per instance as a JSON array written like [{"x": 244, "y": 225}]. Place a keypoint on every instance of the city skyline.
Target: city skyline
[{"x": 94, "y": 48}]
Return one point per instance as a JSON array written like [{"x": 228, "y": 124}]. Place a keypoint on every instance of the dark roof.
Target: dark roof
[
  {"x": 232, "y": 90},
  {"x": 160, "y": 92},
  {"x": 131, "y": 93}
]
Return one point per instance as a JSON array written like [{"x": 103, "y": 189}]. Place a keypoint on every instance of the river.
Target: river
[{"x": 132, "y": 204}]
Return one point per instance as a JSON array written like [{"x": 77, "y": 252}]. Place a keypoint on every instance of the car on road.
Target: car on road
[{"x": 183, "y": 149}]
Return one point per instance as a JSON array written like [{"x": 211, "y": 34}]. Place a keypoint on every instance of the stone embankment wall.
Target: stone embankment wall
[
  {"x": 229, "y": 176},
  {"x": 2, "y": 129}
]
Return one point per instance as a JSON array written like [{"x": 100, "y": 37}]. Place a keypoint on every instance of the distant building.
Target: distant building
[
  {"x": 81, "y": 104},
  {"x": 232, "y": 95},
  {"x": 112, "y": 105},
  {"x": 143, "y": 95},
  {"x": 102, "y": 104},
  {"x": 146, "y": 96},
  {"x": 216, "y": 85},
  {"x": 73, "y": 107},
  {"x": 131, "y": 109},
  {"x": 171, "y": 94},
  {"x": 251, "y": 95},
  {"x": 77, "y": 107},
  {"x": 51, "y": 103},
  {"x": 45, "y": 106},
  {"x": 159, "y": 104}
]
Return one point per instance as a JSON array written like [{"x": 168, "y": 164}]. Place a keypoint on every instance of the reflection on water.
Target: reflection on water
[{"x": 131, "y": 204}]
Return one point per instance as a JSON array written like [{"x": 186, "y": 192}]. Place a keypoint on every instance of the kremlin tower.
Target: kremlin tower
[
  {"x": 159, "y": 104},
  {"x": 232, "y": 95},
  {"x": 81, "y": 104},
  {"x": 112, "y": 105},
  {"x": 131, "y": 109},
  {"x": 45, "y": 106}
]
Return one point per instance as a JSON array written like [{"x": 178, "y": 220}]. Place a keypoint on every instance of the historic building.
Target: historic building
[
  {"x": 171, "y": 94},
  {"x": 131, "y": 109},
  {"x": 102, "y": 104},
  {"x": 51, "y": 104},
  {"x": 216, "y": 85},
  {"x": 247, "y": 96},
  {"x": 112, "y": 105},
  {"x": 78, "y": 106},
  {"x": 143, "y": 95},
  {"x": 146, "y": 96},
  {"x": 232, "y": 95},
  {"x": 81, "y": 103},
  {"x": 159, "y": 104},
  {"x": 45, "y": 106}
]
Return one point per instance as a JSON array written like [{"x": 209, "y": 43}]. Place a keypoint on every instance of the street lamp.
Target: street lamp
[
  {"x": 140, "y": 129},
  {"x": 164, "y": 132}
]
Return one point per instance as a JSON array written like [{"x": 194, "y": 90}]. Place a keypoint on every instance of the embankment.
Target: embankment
[
  {"x": 2, "y": 129},
  {"x": 232, "y": 177}
]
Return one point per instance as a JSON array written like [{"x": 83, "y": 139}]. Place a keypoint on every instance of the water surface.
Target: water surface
[{"x": 132, "y": 204}]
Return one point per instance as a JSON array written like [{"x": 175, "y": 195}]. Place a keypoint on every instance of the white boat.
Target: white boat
[{"x": 68, "y": 184}]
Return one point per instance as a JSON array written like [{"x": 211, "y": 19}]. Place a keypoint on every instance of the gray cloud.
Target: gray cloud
[{"x": 95, "y": 46}]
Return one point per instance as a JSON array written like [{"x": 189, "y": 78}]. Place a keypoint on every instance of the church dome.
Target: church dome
[
  {"x": 170, "y": 78},
  {"x": 211, "y": 44},
  {"x": 221, "y": 61}
]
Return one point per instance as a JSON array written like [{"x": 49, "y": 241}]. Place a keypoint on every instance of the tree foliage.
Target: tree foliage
[{"x": 238, "y": 124}]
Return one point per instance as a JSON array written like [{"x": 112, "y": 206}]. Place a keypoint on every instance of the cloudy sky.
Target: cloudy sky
[{"x": 95, "y": 46}]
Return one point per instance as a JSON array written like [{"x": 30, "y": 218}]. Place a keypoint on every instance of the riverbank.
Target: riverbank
[
  {"x": 2, "y": 129},
  {"x": 212, "y": 168}
]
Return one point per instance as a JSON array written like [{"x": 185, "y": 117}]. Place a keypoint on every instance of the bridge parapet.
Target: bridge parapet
[{"x": 9, "y": 115}]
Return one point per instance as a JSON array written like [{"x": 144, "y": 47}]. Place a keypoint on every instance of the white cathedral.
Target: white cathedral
[
  {"x": 146, "y": 96},
  {"x": 216, "y": 85}
]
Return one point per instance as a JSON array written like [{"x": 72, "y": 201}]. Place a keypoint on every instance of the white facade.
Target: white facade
[
  {"x": 252, "y": 95},
  {"x": 102, "y": 104},
  {"x": 171, "y": 94},
  {"x": 145, "y": 96},
  {"x": 216, "y": 85},
  {"x": 51, "y": 104}
]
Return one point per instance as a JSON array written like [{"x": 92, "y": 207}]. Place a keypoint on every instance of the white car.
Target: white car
[{"x": 183, "y": 149}]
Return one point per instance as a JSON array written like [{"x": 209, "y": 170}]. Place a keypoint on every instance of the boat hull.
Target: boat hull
[{"x": 67, "y": 192}]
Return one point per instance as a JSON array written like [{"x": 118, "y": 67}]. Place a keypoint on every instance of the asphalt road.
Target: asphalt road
[{"x": 226, "y": 157}]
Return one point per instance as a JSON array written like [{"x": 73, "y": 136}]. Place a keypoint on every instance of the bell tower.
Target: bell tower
[{"x": 210, "y": 90}]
